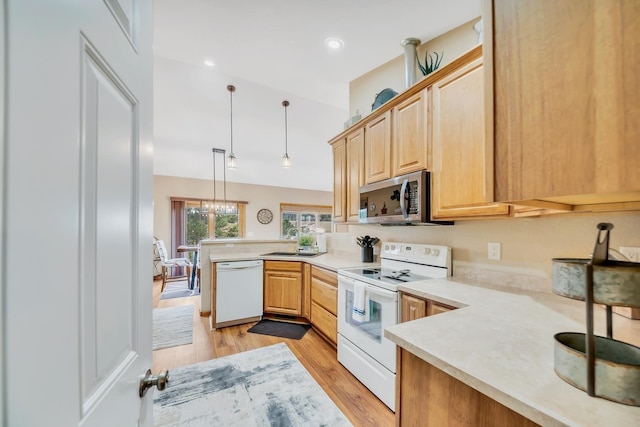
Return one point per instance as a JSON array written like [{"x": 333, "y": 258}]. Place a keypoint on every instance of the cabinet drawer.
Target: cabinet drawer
[
  {"x": 325, "y": 295},
  {"x": 283, "y": 265},
  {"x": 325, "y": 322},
  {"x": 327, "y": 276}
]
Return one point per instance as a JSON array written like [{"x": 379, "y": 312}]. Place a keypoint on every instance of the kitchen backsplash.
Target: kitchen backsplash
[{"x": 528, "y": 244}]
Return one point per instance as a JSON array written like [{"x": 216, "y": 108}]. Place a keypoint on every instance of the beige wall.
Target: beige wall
[
  {"x": 528, "y": 244},
  {"x": 258, "y": 196},
  {"x": 362, "y": 91}
]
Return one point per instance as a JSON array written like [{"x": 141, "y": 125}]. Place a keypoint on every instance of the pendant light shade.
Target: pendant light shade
[
  {"x": 231, "y": 159},
  {"x": 286, "y": 160}
]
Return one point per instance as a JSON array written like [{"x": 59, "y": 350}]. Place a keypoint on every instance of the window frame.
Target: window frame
[
  {"x": 179, "y": 210},
  {"x": 298, "y": 210}
]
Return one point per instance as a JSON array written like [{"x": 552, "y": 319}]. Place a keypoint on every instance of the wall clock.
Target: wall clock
[{"x": 265, "y": 216}]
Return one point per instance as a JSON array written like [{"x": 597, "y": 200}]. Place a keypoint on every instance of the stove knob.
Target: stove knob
[
  {"x": 436, "y": 252},
  {"x": 427, "y": 251}
]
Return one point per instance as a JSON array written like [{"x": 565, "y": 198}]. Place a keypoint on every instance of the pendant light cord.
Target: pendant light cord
[
  {"x": 231, "y": 89},
  {"x": 285, "y": 104},
  {"x": 214, "y": 180},
  {"x": 224, "y": 177}
]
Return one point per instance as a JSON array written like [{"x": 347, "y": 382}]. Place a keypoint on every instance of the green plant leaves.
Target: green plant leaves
[{"x": 430, "y": 65}]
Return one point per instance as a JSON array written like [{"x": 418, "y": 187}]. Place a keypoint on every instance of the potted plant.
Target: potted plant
[
  {"x": 305, "y": 242},
  {"x": 430, "y": 65}
]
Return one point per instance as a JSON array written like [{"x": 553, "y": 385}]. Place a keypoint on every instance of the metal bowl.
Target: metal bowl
[
  {"x": 614, "y": 282},
  {"x": 617, "y": 373}
]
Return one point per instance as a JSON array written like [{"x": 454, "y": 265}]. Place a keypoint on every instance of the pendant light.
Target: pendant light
[
  {"x": 286, "y": 160},
  {"x": 231, "y": 159},
  {"x": 216, "y": 208}
]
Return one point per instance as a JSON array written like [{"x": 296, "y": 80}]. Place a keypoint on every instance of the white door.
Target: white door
[{"x": 77, "y": 212}]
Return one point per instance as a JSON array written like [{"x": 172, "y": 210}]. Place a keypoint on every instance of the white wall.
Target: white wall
[
  {"x": 362, "y": 91},
  {"x": 258, "y": 196}
]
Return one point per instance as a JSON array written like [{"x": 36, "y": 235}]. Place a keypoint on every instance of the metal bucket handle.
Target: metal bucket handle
[
  {"x": 599, "y": 257},
  {"x": 601, "y": 250}
]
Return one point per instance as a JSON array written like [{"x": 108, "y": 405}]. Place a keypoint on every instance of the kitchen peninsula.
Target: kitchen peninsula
[
  {"x": 222, "y": 250},
  {"x": 500, "y": 343}
]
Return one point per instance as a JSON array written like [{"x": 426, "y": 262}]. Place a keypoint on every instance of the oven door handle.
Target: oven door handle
[{"x": 374, "y": 290}]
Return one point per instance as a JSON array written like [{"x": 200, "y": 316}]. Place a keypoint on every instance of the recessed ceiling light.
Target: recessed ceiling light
[
  {"x": 209, "y": 63},
  {"x": 333, "y": 43}
]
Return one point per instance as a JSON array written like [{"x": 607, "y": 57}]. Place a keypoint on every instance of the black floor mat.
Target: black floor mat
[{"x": 279, "y": 329}]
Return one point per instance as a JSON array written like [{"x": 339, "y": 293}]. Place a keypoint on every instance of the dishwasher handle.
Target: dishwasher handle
[
  {"x": 238, "y": 265},
  {"x": 248, "y": 267}
]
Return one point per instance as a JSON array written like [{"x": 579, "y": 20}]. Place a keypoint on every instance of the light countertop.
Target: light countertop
[
  {"x": 500, "y": 342},
  {"x": 330, "y": 261},
  {"x": 242, "y": 241}
]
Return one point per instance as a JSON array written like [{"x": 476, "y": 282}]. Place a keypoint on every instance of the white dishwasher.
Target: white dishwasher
[{"x": 238, "y": 292}]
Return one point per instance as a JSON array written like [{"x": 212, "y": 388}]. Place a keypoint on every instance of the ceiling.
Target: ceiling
[{"x": 272, "y": 51}]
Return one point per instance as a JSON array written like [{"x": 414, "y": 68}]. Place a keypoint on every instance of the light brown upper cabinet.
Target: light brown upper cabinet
[
  {"x": 355, "y": 172},
  {"x": 348, "y": 175},
  {"x": 462, "y": 162},
  {"x": 377, "y": 148},
  {"x": 409, "y": 135},
  {"x": 339, "y": 180},
  {"x": 564, "y": 91}
]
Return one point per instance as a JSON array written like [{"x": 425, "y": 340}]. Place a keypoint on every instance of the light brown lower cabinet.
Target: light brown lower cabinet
[
  {"x": 283, "y": 287},
  {"x": 324, "y": 302},
  {"x": 413, "y": 307},
  {"x": 428, "y": 397}
]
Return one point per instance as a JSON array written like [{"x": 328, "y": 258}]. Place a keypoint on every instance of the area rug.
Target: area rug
[
  {"x": 263, "y": 387},
  {"x": 279, "y": 329},
  {"x": 172, "y": 326},
  {"x": 179, "y": 289}
]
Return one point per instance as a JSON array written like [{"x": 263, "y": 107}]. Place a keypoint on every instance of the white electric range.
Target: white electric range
[{"x": 362, "y": 347}]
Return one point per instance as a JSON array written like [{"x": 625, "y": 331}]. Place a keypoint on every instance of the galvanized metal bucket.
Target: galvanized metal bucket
[
  {"x": 601, "y": 366},
  {"x": 614, "y": 282},
  {"x": 617, "y": 373}
]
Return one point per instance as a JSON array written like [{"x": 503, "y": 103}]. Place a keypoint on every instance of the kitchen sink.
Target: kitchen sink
[{"x": 293, "y": 254}]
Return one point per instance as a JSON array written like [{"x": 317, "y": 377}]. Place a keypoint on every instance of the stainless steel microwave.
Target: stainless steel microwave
[{"x": 403, "y": 200}]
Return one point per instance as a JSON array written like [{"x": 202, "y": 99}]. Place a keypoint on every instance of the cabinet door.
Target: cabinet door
[
  {"x": 462, "y": 170},
  {"x": 339, "y": 181},
  {"x": 283, "y": 292},
  {"x": 567, "y": 110},
  {"x": 409, "y": 136},
  {"x": 412, "y": 308},
  {"x": 306, "y": 291},
  {"x": 377, "y": 148},
  {"x": 355, "y": 173},
  {"x": 434, "y": 308}
]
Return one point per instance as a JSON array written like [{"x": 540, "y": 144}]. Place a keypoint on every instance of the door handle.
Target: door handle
[
  {"x": 149, "y": 381},
  {"x": 403, "y": 207}
]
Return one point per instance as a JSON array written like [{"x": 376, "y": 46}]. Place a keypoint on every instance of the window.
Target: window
[
  {"x": 302, "y": 219},
  {"x": 196, "y": 219}
]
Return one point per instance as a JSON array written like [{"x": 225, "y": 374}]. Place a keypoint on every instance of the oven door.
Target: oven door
[{"x": 369, "y": 335}]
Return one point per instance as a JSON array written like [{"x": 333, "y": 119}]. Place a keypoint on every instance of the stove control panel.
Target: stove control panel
[{"x": 417, "y": 253}]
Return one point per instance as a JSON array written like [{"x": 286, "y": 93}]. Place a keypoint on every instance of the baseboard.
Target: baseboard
[
  {"x": 324, "y": 337},
  {"x": 285, "y": 318},
  {"x": 205, "y": 313}
]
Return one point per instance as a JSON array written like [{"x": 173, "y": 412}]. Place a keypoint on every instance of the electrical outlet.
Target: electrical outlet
[
  {"x": 494, "y": 251},
  {"x": 630, "y": 252}
]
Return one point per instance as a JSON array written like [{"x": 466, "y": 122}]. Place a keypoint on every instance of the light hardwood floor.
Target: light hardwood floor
[{"x": 318, "y": 357}]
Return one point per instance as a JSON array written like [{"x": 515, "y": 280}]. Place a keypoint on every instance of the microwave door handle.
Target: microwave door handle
[{"x": 403, "y": 206}]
